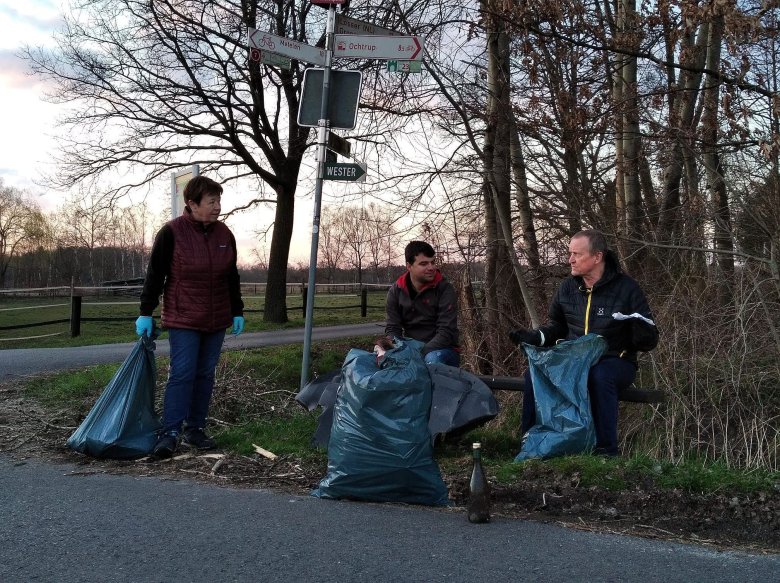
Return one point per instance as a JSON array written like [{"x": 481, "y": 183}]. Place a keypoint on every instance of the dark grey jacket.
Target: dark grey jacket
[{"x": 431, "y": 317}]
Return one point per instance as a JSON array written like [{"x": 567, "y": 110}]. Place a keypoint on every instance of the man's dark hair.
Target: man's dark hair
[
  {"x": 597, "y": 242},
  {"x": 200, "y": 186},
  {"x": 415, "y": 248}
]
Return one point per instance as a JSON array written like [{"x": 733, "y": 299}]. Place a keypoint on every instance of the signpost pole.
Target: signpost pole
[{"x": 322, "y": 141}]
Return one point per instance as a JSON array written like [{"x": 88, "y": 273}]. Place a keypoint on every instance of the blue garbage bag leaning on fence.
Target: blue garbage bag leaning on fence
[
  {"x": 122, "y": 423},
  {"x": 564, "y": 422},
  {"x": 380, "y": 449}
]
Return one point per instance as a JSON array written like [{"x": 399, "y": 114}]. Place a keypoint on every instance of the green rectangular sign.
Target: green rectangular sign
[
  {"x": 404, "y": 66},
  {"x": 345, "y": 171}
]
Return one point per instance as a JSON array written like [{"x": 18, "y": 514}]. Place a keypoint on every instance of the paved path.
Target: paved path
[
  {"x": 57, "y": 525},
  {"x": 29, "y": 361}
]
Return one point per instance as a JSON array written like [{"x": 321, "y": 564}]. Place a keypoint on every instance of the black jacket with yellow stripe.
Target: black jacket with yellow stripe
[{"x": 577, "y": 310}]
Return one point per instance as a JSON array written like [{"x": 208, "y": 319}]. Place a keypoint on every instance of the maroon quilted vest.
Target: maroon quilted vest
[{"x": 196, "y": 293}]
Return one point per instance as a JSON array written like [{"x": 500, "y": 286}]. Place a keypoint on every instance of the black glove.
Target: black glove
[{"x": 523, "y": 335}]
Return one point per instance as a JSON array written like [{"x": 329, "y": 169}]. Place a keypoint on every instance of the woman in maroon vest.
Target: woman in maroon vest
[{"x": 193, "y": 265}]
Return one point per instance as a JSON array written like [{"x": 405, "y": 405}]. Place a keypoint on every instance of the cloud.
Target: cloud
[
  {"x": 15, "y": 71},
  {"x": 47, "y": 23}
]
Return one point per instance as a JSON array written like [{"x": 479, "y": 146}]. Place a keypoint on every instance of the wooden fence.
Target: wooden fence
[{"x": 76, "y": 296}]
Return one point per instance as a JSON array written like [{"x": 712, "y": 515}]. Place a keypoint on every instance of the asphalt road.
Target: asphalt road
[
  {"x": 29, "y": 361},
  {"x": 61, "y": 526}
]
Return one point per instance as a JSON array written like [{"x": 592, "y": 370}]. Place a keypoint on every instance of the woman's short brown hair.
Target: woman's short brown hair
[{"x": 200, "y": 186}]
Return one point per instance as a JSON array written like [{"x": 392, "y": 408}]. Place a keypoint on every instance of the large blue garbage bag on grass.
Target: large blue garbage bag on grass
[
  {"x": 459, "y": 401},
  {"x": 122, "y": 423},
  {"x": 380, "y": 449},
  {"x": 564, "y": 423}
]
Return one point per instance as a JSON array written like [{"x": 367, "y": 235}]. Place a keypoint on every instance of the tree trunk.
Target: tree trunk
[
  {"x": 531, "y": 245},
  {"x": 712, "y": 162},
  {"x": 617, "y": 100},
  {"x": 631, "y": 132},
  {"x": 681, "y": 125},
  {"x": 500, "y": 287},
  {"x": 275, "y": 306}
]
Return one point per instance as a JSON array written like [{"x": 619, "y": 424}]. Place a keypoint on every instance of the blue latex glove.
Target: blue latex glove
[
  {"x": 144, "y": 324},
  {"x": 238, "y": 325}
]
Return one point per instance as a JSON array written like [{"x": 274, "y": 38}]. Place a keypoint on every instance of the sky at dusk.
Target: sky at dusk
[{"x": 28, "y": 125}]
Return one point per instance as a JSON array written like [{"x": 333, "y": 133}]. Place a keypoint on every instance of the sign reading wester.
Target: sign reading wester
[{"x": 343, "y": 171}]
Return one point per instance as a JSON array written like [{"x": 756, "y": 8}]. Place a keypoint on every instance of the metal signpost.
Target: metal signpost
[
  {"x": 322, "y": 142},
  {"x": 349, "y": 38}
]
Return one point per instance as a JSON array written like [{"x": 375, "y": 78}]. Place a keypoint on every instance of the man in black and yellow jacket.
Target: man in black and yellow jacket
[{"x": 598, "y": 298}]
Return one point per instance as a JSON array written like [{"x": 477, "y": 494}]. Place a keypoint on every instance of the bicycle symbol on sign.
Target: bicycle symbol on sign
[{"x": 266, "y": 41}]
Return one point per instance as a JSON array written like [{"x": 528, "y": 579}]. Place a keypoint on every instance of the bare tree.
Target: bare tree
[
  {"x": 381, "y": 241},
  {"x": 89, "y": 223},
  {"x": 356, "y": 231},
  {"x": 332, "y": 242},
  {"x": 163, "y": 84},
  {"x": 22, "y": 226}
]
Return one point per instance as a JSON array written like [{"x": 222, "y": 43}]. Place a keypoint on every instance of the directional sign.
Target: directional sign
[
  {"x": 274, "y": 60},
  {"x": 265, "y": 41},
  {"x": 347, "y": 25},
  {"x": 345, "y": 171},
  {"x": 339, "y": 145},
  {"x": 405, "y": 48},
  {"x": 404, "y": 66}
]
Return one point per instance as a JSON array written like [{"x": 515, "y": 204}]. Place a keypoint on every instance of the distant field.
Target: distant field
[{"x": 329, "y": 309}]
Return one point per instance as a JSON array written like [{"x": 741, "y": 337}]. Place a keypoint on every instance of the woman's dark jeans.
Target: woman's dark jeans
[{"x": 194, "y": 357}]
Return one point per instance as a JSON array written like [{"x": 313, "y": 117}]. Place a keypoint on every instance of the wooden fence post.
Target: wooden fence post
[
  {"x": 363, "y": 301},
  {"x": 75, "y": 316},
  {"x": 303, "y": 296}
]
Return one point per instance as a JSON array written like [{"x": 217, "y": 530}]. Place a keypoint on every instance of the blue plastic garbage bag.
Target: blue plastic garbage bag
[
  {"x": 564, "y": 423},
  {"x": 122, "y": 423},
  {"x": 459, "y": 401},
  {"x": 379, "y": 448}
]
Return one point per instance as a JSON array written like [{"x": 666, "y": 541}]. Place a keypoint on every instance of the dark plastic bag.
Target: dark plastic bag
[
  {"x": 459, "y": 401},
  {"x": 380, "y": 449},
  {"x": 122, "y": 423},
  {"x": 564, "y": 423}
]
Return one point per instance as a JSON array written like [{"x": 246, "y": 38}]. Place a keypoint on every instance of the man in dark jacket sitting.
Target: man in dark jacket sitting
[
  {"x": 423, "y": 305},
  {"x": 597, "y": 298}
]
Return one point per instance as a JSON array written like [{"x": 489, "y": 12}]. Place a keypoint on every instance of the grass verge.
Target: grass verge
[{"x": 254, "y": 404}]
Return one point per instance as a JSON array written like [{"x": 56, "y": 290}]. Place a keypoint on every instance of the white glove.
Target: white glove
[{"x": 619, "y": 316}]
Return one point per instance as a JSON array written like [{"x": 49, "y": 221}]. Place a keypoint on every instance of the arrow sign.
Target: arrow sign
[
  {"x": 402, "y": 48},
  {"x": 339, "y": 145},
  {"x": 347, "y": 25},
  {"x": 265, "y": 41},
  {"x": 345, "y": 171}
]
